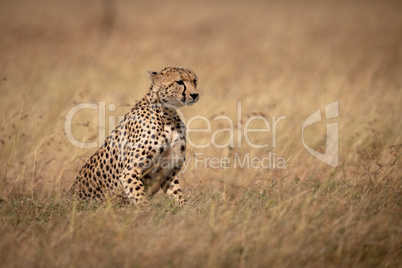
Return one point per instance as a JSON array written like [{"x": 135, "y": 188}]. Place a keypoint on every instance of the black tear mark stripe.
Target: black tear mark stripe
[
  {"x": 184, "y": 85},
  {"x": 184, "y": 94}
]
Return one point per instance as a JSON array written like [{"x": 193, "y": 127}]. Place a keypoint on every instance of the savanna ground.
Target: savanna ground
[{"x": 278, "y": 59}]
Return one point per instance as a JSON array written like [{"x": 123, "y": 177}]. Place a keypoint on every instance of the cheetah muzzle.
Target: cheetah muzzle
[{"x": 147, "y": 149}]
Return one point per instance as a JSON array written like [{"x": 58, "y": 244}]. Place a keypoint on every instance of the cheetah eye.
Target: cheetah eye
[
  {"x": 181, "y": 83},
  {"x": 195, "y": 82}
]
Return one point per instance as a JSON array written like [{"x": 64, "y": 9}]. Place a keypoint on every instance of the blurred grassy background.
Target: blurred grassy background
[{"x": 278, "y": 58}]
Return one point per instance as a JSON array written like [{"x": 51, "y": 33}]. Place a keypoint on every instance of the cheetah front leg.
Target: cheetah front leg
[
  {"x": 172, "y": 188},
  {"x": 134, "y": 186}
]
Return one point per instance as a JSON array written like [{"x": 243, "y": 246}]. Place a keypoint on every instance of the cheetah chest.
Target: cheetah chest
[{"x": 172, "y": 156}]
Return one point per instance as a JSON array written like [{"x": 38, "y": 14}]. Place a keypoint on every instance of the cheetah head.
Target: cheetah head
[{"x": 175, "y": 86}]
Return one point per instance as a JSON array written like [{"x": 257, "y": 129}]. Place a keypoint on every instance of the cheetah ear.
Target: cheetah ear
[{"x": 152, "y": 75}]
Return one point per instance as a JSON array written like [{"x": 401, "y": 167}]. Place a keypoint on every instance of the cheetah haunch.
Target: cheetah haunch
[{"x": 147, "y": 149}]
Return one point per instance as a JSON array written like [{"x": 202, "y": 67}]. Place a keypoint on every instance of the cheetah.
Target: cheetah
[{"x": 147, "y": 149}]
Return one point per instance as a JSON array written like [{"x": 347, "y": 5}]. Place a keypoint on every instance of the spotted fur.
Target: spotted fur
[{"x": 147, "y": 149}]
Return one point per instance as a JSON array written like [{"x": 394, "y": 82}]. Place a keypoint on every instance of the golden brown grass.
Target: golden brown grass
[{"x": 285, "y": 58}]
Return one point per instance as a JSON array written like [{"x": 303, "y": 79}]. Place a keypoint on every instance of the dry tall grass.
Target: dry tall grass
[{"x": 278, "y": 58}]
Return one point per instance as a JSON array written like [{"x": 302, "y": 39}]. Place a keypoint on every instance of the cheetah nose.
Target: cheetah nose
[{"x": 194, "y": 95}]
